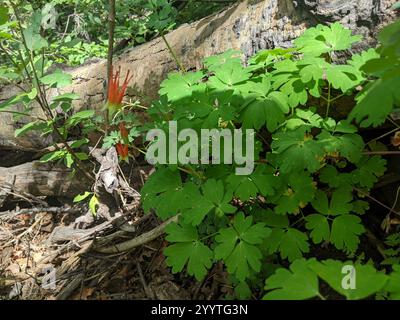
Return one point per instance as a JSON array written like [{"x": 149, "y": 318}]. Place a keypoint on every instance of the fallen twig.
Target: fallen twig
[{"x": 138, "y": 241}]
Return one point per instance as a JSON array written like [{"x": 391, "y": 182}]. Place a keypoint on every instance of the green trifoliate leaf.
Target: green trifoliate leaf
[
  {"x": 269, "y": 111},
  {"x": 382, "y": 93},
  {"x": 214, "y": 197},
  {"x": 188, "y": 250},
  {"x": 158, "y": 188},
  {"x": 393, "y": 285},
  {"x": 354, "y": 281},
  {"x": 297, "y": 284},
  {"x": 262, "y": 181},
  {"x": 293, "y": 244},
  {"x": 319, "y": 226},
  {"x": 178, "y": 86},
  {"x": 358, "y": 60},
  {"x": 339, "y": 203},
  {"x": 335, "y": 179},
  {"x": 324, "y": 39},
  {"x": 58, "y": 79},
  {"x": 345, "y": 233},
  {"x": 368, "y": 170},
  {"x": 238, "y": 246},
  {"x": 227, "y": 76},
  {"x": 271, "y": 219},
  {"x": 349, "y": 146},
  {"x": 299, "y": 145},
  {"x": 290, "y": 243},
  {"x": 177, "y": 200},
  {"x": 228, "y": 57},
  {"x": 300, "y": 190},
  {"x": 343, "y": 77}
]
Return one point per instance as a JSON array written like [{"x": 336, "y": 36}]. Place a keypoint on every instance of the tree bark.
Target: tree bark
[
  {"x": 39, "y": 179},
  {"x": 249, "y": 26}
]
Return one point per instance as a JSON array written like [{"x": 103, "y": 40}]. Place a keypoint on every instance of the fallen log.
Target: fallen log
[
  {"x": 249, "y": 26},
  {"x": 39, "y": 179}
]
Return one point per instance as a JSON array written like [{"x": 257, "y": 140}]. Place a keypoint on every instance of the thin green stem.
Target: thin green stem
[
  {"x": 321, "y": 296},
  {"x": 209, "y": 236},
  {"x": 191, "y": 172},
  {"x": 328, "y": 101},
  {"x": 9, "y": 57},
  {"x": 181, "y": 68},
  {"x": 22, "y": 114},
  {"x": 111, "y": 31},
  {"x": 43, "y": 100}
]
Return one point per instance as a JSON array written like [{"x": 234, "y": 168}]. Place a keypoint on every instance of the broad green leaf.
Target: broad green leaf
[
  {"x": 339, "y": 202},
  {"x": 269, "y": 111},
  {"x": 220, "y": 60},
  {"x": 159, "y": 190},
  {"x": 238, "y": 246},
  {"x": 345, "y": 233},
  {"x": 58, "y": 79},
  {"x": 367, "y": 280},
  {"x": 368, "y": 171},
  {"x": 81, "y": 197},
  {"x": 178, "y": 86},
  {"x": 187, "y": 250},
  {"x": 349, "y": 146},
  {"x": 93, "y": 203},
  {"x": 393, "y": 285},
  {"x": 343, "y": 77},
  {"x": 34, "y": 41},
  {"x": 79, "y": 143},
  {"x": 379, "y": 93},
  {"x": 22, "y": 97},
  {"x": 79, "y": 117},
  {"x": 319, "y": 226},
  {"x": 299, "y": 191},
  {"x": 66, "y": 97},
  {"x": 53, "y": 156},
  {"x": 358, "y": 60},
  {"x": 293, "y": 244},
  {"x": 214, "y": 197},
  {"x": 227, "y": 76},
  {"x": 299, "y": 145},
  {"x": 298, "y": 283},
  {"x": 28, "y": 127},
  {"x": 3, "y": 14},
  {"x": 324, "y": 39},
  {"x": 333, "y": 178}
]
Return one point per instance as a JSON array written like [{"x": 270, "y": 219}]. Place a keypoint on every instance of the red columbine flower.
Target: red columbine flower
[
  {"x": 123, "y": 131},
  {"x": 115, "y": 92},
  {"x": 122, "y": 150}
]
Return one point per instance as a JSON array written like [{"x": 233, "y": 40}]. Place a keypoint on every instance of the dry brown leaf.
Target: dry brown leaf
[{"x": 396, "y": 139}]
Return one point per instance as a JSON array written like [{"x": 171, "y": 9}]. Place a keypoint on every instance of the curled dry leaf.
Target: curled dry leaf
[{"x": 396, "y": 139}]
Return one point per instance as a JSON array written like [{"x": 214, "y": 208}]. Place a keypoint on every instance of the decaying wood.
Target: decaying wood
[
  {"x": 40, "y": 179},
  {"x": 248, "y": 26}
]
